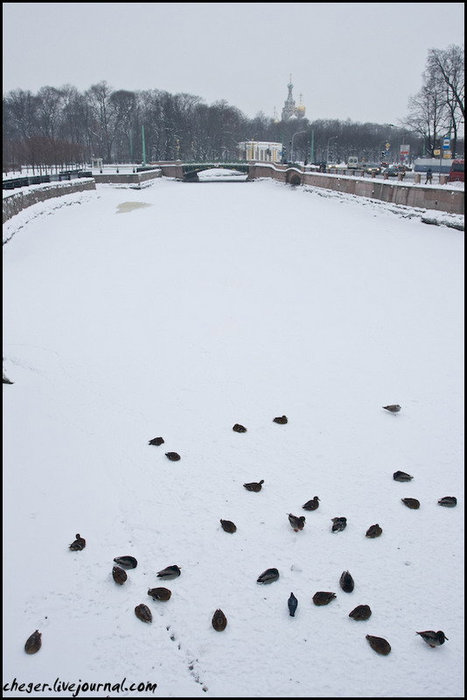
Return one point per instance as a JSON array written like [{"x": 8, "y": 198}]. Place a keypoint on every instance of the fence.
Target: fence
[{"x": 15, "y": 182}]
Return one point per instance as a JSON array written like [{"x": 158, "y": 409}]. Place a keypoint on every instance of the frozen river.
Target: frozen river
[{"x": 179, "y": 311}]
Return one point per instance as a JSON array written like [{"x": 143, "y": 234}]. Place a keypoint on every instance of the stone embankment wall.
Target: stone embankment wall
[
  {"x": 439, "y": 198},
  {"x": 22, "y": 198}
]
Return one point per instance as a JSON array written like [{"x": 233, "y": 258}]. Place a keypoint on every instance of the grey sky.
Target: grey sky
[{"x": 349, "y": 60}]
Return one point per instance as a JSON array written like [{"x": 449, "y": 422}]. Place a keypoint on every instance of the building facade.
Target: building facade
[{"x": 265, "y": 151}]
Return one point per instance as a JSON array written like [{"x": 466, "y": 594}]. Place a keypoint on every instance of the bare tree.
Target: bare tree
[
  {"x": 447, "y": 69},
  {"x": 438, "y": 108}
]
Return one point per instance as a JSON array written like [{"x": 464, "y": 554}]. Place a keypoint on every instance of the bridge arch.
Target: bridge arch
[
  {"x": 190, "y": 170},
  {"x": 293, "y": 177}
]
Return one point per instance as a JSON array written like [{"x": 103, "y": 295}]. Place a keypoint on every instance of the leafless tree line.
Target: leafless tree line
[
  {"x": 438, "y": 109},
  {"x": 62, "y": 126}
]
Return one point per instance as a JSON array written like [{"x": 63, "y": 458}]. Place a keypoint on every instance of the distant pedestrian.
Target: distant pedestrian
[{"x": 429, "y": 176}]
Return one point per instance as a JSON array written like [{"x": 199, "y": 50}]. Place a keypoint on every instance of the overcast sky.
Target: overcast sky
[{"x": 354, "y": 61}]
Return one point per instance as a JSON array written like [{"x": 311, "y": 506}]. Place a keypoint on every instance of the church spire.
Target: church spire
[
  {"x": 290, "y": 110},
  {"x": 289, "y": 105}
]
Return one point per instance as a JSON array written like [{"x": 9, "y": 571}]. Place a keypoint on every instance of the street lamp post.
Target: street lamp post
[
  {"x": 327, "y": 149},
  {"x": 143, "y": 146},
  {"x": 291, "y": 147}
]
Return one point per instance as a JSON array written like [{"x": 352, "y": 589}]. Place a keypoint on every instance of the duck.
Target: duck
[
  {"x": 323, "y": 597},
  {"x": 448, "y": 501},
  {"x": 379, "y": 644},
  {"x": 297, "y": 523},
  {"x": 433, "y": 639},
  {"x": 143, "y": 613},
  {"x": 170, "y": 572},
  {"x": 338, "y": 524},
  {"x": 173, "y": 456},
  {"x": 239, "y": 428},
  {"x": 228, "y": 526},
  {"x": 346, "y": 582},
  {"x": 219, "y": 621},
  {"x": 33, "y": 643},
  {"x": 156, "y": 441},
  {"x": 160, "y": 593},
  {"x": 374, "y": 531},
  {"x": 292, "y": 605},
  {"x": 119, "y": 575},
  {"x": 411, "y": 503},
  {"x": 392, "y": 408},
  {"x": 282, "y": 420},
  {"x": 268, "y": 576},
  {"x": 313, "y": 504},
  {"x": 361, "y": 612},
  {"x": 402, "y": 476},
  {"x": 127, "y": 562},
  {"x": 78, "y": 544},
  {"x": 254, "y": 485}
]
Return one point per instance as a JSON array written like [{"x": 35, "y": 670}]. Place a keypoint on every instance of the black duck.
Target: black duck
[
  {"x": 268, "y": 576},
  {"x": 338, "y": 524},
  {"x": 119, "y": 575},
  {"x": 160, "y": 593},
  {"x": 156, "y": 441},
  {"x": 127, "y": 562},
  {"x": 323, "y": 597},
  {"x": 374, "y": 531},
  {"x": 170, "y": 572},
  {"x": 282, "y": 420},
  {"x": 297, "y": 523},
  {"x": 173, "y": 456},
  {"x": 411, "y": 503},
  {"x": 433, "y": 639},
  {"x": 33, "y": 643},
  {"x": 78, "y": 544},
  {"x": 228, "y": 526},
  {"x": 392, "y": 408},
  {"x": 402, "y": 476},
  {"x": 219, "y": 621},
  {"x": 448, "y": 501},
  {"x": 254, "y": 485},
  {"x": 292, "y": 604},
  {"x": 346, "y": 582},
  {"x": 379, "y": 644},
  {"x": 239, "y": 428},
  {"x": 361, "y": 612},
  {"x": 313, "y": 504},
  {"x": 143, "y": 613}
]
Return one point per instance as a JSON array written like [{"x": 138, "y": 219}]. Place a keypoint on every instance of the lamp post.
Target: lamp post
[
  {"x": 327, "y": 149},
  {"x": 143, "y": 146},
  {"x": 291, "y": 147}
]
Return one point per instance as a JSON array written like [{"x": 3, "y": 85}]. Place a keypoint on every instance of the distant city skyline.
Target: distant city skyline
[{"x": 357, "y": 61}]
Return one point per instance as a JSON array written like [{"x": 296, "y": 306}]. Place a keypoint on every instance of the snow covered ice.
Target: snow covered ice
[{"x": 216, "y": 304}]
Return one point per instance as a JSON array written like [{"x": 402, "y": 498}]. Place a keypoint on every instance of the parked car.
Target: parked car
[
  {"x": 457, "y": 171},
  {"x": 392, "y": 171}
]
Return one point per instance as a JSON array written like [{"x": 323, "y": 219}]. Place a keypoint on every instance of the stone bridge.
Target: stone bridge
[{"x": 188, "y": 172}]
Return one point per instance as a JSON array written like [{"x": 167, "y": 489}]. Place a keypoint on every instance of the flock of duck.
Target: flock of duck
[{"x": 219, "y": 620}]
